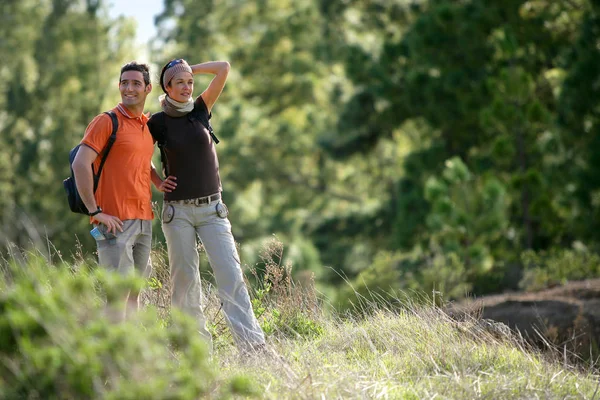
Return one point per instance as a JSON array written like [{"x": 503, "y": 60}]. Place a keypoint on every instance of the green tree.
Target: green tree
[
  {"x": 578, "y": 116},
  {"x": 62, "y": 58},
  {"x": 277, "y": 100},
  {"x": 481, "y": 80}
]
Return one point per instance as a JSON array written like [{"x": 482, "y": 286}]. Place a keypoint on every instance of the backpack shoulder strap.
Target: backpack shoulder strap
[
  {"x": 109, "y": 143},
  {"x": 158, "y": 128},
  {"x": 200, "y": 112}
]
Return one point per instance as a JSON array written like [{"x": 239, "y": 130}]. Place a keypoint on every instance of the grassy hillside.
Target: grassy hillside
[
  {"x": 59, "y": 338},
  {"x": 415, "y": 354}
]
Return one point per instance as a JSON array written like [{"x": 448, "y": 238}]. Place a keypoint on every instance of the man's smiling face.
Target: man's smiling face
[{"x": 133, "y": 89}]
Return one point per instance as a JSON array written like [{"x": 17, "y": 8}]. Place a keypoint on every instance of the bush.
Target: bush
[
  {"x": 283, "y": 306},
  {"x": 558, "y": 266},
  {"x": 60, "y": 338},
  {"x": 396, "y": 279}
]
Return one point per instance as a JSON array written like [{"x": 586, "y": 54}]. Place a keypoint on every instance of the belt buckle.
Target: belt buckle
[{"x": 202, "y": 200}]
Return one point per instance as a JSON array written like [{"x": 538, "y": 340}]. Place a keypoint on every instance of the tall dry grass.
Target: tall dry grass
[{"x": 398, "y": 350}]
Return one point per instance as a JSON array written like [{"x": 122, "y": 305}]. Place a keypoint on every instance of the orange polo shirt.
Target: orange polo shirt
[{"x": 124, "y": 187}]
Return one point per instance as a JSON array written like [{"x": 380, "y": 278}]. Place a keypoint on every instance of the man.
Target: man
[{"x": 121, "y": 207}]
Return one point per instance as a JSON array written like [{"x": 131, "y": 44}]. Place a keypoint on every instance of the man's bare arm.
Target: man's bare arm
[
  {"x": 82, "y": 169},
  {"x": 84, "y": 178}
]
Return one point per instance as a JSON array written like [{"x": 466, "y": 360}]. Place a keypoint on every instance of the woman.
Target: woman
[{"x": 194, "y": 206}]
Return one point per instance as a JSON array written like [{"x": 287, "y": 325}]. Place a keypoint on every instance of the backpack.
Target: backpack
[
  {"x": 158, "y": 129},
  {"x": 74, "y": 199}
]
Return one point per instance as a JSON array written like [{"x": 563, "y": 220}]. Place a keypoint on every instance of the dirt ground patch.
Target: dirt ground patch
[{"x": 566, "y": 317}]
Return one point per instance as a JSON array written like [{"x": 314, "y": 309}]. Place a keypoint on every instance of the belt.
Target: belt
[{"x": 198, "y": 201}]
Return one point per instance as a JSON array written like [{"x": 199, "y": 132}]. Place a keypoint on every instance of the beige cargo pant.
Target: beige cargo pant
[{"x": 181, "y": 224}]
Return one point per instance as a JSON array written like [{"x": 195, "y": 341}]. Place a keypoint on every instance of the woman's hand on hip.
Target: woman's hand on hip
[{"x": 168, "y": 185}]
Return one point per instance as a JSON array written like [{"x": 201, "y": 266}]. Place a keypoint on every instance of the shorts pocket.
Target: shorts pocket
[{"x": 104, "y": 229}]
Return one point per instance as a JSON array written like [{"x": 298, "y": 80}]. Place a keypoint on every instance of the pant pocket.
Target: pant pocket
[
  {"x": 222, "y": 210},
  {"x": 168, "y": 213}
]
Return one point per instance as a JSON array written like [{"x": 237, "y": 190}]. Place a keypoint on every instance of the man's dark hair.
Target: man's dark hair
[{"x": 135, "y": 66}]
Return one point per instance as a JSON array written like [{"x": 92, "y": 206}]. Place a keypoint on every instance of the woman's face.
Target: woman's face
[{"x": 181, "y": 87}]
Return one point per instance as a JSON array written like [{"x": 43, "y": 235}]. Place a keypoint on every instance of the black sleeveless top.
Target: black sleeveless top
[{"x": 191, "y": 155}]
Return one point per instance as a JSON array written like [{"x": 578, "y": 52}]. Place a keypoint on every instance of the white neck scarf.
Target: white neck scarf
[{"x": 175, "y": 108}]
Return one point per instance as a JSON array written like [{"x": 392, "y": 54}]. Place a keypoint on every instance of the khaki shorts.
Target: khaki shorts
[{"x": 129, "y": 251}]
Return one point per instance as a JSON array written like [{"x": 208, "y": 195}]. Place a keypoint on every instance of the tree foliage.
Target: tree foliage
[
  {"x": 345, "y": 127},
  {"x": 61, "y": 61}
]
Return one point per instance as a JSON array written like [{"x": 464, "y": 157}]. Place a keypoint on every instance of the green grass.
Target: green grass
[
  {"x": 58, "y": 340},
  {"x": 415, "y": 354}
]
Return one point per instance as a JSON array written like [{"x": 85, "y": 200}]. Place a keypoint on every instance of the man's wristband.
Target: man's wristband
[{"x": 98, "y": 211}]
